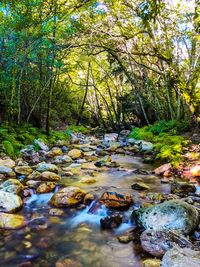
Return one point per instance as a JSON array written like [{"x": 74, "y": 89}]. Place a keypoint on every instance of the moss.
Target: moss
[{"x": 168, "y": 145}]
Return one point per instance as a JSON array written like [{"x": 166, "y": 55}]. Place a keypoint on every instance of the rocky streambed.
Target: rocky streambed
[{"x": 96, "y": 202}]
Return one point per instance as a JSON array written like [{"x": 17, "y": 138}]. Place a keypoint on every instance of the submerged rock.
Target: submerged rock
[
  {"x": 140, "y": 186},
  {"x": 65, "y": 262},
  {"x": 88, "y": 180},
  {"x": 171, "y": 215},
  {"x": 68, "y": 197},
  {"x": 151, "y": 263},
  {"x": 11, "y": 221},
  {"x": 115, "y": 200},
  {"x": 181, "y": 257},
  {"x": 9, "y": 202}
]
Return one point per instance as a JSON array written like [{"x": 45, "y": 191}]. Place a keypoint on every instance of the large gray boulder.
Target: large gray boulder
[
  {"x": 181, "y": 257},
  {"x": 171, "y": 215}
]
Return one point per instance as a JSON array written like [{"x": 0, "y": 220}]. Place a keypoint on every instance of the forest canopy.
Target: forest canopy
[{"x": 102, "y": 63}]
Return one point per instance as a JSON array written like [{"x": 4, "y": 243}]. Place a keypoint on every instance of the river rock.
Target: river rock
[
  {"x": 5, "y": 170},
  {"x": 182, "y": 187},
  {"x": 68, "y": 197},
  {"x": 103, "y": 161},
  {"x": 66, "y": 262},
  {"x": 88, "y": 180},
  {"x": 55, "y": 151},
  {"x": 155, "y": 243},
  {"x": 34, "y": 176},
  {"x": 9, "y": 202},
  {"x": 38, "y": 143},
  {"x": 12, "y": 186},
  {"x": 56, "y": 212},
  {"x": 195, "y": 171},
  {"x": 75, "y": 153},
  {"x": 7, "y": 163},
  {"x": 33, "y": 183},
  {"x": 146, "y": 146},
  {"x": 24, "y": 170},
  {"x": 108, "y": 138},
  {"x": 45, "y": 187},
  {"x": 62, "y": 159},
  {"x": 49, "y": 176},
  {"x": 43, "y": 167},
  {"x": 115, "y": 200},
  {"x": 151, "y": 263},
  {"x": 111, "y": 222},
  {"x": 162, "y": 169},
  {"x": 11, "y": 221},
  {"x": 88, "y": 199},
  {"x": 140, "y": 186},
  {"x": 171, "y": 215},
  {"x": 181, "y": 257}
]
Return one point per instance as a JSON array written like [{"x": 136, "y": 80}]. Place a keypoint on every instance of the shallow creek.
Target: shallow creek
[{"x": 77, "y": 234}]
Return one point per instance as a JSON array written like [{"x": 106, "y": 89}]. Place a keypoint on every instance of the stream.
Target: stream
[{"x": 78, "y": 234}]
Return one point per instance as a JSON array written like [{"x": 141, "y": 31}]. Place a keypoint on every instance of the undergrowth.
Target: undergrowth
[
  {"x": 12, "y": 140},
  {"x": 168, "y": 143}
]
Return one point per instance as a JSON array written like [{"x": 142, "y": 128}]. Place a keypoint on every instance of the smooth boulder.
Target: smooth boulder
[
  {"x": 49, "y": 176},
  {"x": 11, "y": 221},
  {"x": 9, "y": 202},
  {"x": 171, "y": 215},
  {"x": 43, "y": 167},
  {"x": 75, "y": 153},
  {"x": 7, "y": 163},
  {"x": 12, "y": 186},
  {"x": 24, "y": 170},
  {"x": 68, "y": 197}
]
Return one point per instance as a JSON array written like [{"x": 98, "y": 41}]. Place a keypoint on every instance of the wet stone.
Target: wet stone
[{"x": 111, "y": 222}]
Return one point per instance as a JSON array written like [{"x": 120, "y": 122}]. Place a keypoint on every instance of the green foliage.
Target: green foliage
[
  {"x": 172, "y": 126},
  {"x": 142, "y": 134},
  {"x": 9, "y": 148},
  {"x": 169, "y": 147},
  {"x": 77, "y": 129},
  {"x": 13, "y": 140},
  {"x": 167, "y": 144}
]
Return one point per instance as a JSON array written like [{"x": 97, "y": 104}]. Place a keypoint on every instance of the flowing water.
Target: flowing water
[{"x": 77, "y": 234}]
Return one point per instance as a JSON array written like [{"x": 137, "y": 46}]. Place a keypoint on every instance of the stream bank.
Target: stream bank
[{"x": 78, "y": 204}]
